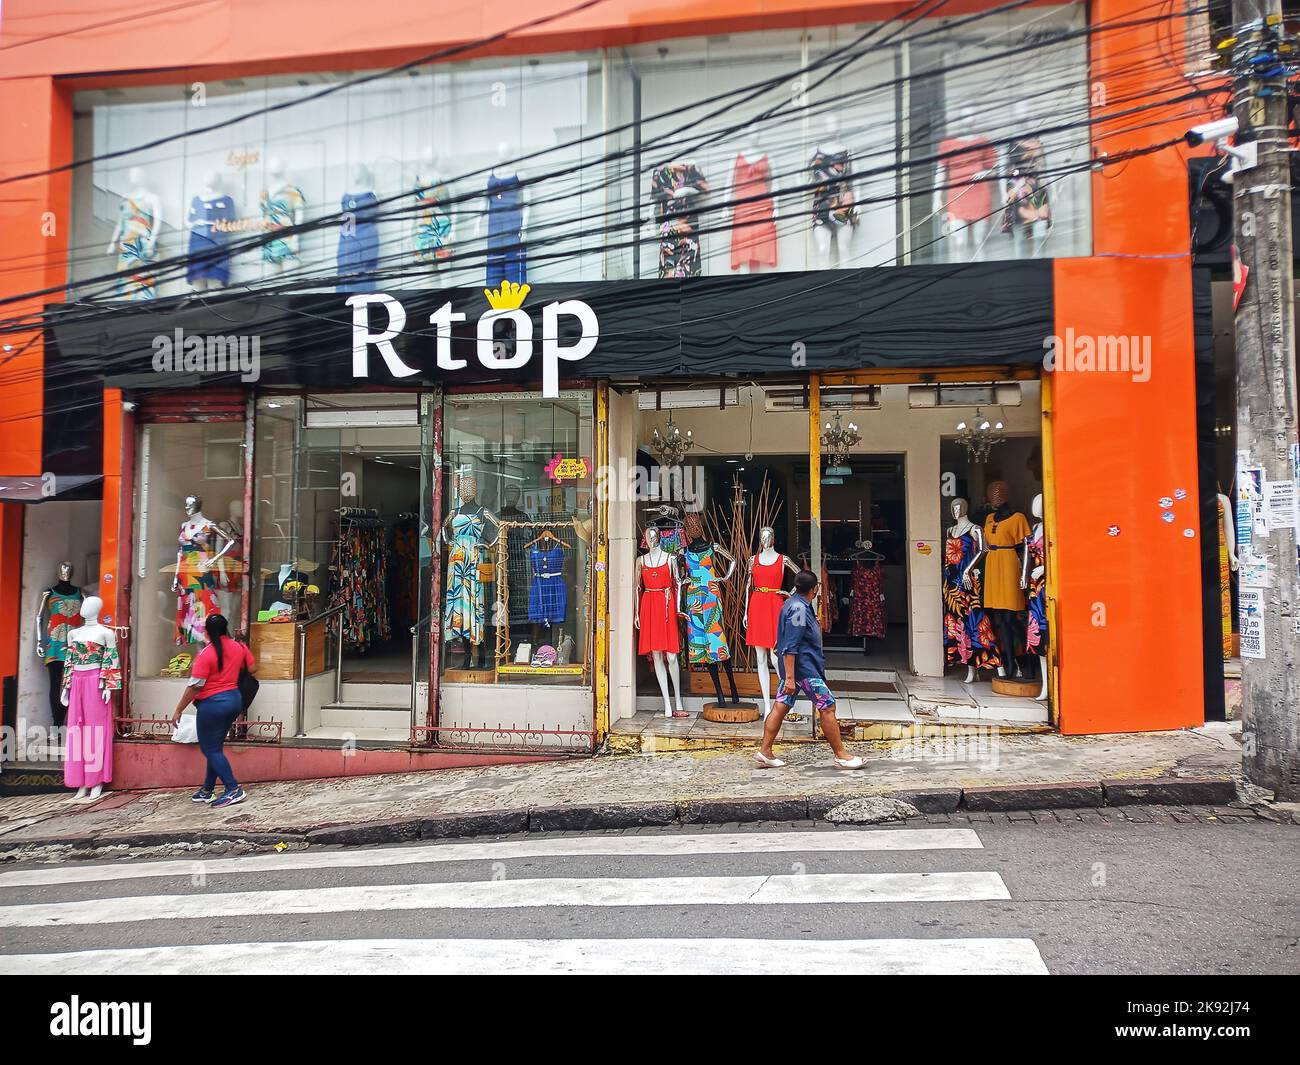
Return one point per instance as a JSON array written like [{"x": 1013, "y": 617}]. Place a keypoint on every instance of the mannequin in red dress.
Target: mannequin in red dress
[
  {"x": 763, "y": 598},
  {"x": 658, "y": 606}
]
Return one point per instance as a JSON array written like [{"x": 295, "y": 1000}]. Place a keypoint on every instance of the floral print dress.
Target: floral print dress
[
  {"x": 463, "y": 609},
  {"x": 1036, "y": 633},
  {"x": 867, "y": 613},
  {"x": 968, "y": 638},
  {"x": 679, "y": 239},
  {"x": 705, "y": 638}
]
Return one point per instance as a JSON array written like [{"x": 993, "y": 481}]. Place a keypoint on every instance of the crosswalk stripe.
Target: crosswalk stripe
[
  {"x": 509, "y": 894},
  {"x": 910, "y": 839},
  {"x": 567, "y": 956}
]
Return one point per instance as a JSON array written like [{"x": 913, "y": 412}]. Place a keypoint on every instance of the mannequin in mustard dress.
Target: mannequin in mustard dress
[{"x": 1006, "y": 536}]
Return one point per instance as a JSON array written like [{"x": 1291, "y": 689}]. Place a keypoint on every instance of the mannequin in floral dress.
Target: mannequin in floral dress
[
  {"x": 967, "y": 632},
  {"x": 92, "y": 673},
  {"x": 705, "y": 638},
  {"x": 59, "y": 610},
  {"x": 1034, "y": 580},
  {"x": 469, "y": 531},
  {"x": 134, "y": 242},
  {"x": 202, "y": 547}
]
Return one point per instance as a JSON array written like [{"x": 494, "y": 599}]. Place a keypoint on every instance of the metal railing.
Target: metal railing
[{"x": 300, "y": 707}]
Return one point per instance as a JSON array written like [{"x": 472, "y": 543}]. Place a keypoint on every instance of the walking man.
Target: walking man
[{"x": 801, "y": 665}]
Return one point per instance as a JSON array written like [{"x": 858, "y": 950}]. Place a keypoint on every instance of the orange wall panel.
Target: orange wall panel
[{"x": 1129, "y": 605}]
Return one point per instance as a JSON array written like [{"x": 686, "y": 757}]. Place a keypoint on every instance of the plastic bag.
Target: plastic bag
[{"x": 187, "y": 731}]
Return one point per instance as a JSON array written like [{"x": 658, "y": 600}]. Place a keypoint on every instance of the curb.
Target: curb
[{"x": 586, "y": 817}]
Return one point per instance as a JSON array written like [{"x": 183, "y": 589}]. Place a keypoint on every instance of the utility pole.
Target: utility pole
[{"x": 1262, "y": 56}]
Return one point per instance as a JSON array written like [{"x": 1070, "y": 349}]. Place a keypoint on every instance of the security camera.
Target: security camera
[{"x": 1217, "y": 130}]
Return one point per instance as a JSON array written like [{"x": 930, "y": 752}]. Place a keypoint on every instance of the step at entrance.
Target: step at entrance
[{"x": 357, "y": 716}]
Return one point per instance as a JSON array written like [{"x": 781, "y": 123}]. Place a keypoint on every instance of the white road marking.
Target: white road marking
[
  {"x": 987, "y": 957},
  {"x": 509, "y": 894},
  {"x": 907, "y": 839}
]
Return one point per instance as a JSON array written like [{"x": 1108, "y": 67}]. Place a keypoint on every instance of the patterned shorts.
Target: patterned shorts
[{"x": 816, "y": 690}]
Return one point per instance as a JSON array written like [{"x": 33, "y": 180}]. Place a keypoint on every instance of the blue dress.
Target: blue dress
[
  {"x": 548, "y": 596},
  {"x": 206, "y": 261},
  {"x": 505, "y": 251},
  {"x": 359, "y": 242}
]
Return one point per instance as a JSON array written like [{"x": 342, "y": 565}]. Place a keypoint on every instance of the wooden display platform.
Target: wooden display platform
[
  {"x": 1018, "y": 687},
  {"x": 469, "y": 676},
  {"x": 731, "y": 713},
  {"x": 746, "y": 683}
]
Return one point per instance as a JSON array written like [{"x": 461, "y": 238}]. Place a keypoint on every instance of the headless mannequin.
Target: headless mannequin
[
  {"x": 432, "y": 230},
  {"x": 91, "y": 631},
  {"x": 751, "y": 150},
  {"x": 666, "y": 665},
  {"x": 149, "y": 207},
  {"x": 828, "y": 233},
  {"x": 960, "y": 527},
  {"x": 211, "y": 190},
  {"x": 965, "y": 235},
  {"x": 63, "y": 586},
  {"x": 1003, "y": 624},
  {"x": 764, "y": 659},
  {"x": 282, "y": 190},
  {"x": 195, "y": 523},
  {"x": 505, "y": 167},
  {"x": 1026, "y": 574},
  {"x": 468, "y": 495},
  {"x": 695, "y": 530}
]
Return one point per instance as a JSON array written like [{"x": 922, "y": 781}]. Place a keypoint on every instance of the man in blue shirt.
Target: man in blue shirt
[{"x": 801, "y": 665}]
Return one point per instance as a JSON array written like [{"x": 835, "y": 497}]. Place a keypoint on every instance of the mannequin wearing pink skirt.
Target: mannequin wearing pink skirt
[{"x": 90, "y": 676}]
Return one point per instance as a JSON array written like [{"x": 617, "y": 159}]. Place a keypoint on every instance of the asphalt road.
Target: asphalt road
[{"x": 1021, "y": 898}]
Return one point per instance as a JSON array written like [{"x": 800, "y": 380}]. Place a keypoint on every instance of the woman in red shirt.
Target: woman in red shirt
[{"x": 214, "y": 689}]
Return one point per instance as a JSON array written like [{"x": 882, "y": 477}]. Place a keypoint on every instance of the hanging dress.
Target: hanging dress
[
  {"x": 548, "y": 595},
  {"x": 1036, "y": 641},
  {"x": 658, "y": 610},
  {"x": 867, "y": 614},
  {"x": 463, "y": 610},
  {"x": 90, "y": 669},
  {"x": 705, "y": 638},
  {"x": 196, "y": 595},
  {"x": 968, "y": 638},
  {"x": 753, "y": 229},
  {"x": 133, "y": 251},
  {"x": 765, "y": 601}
]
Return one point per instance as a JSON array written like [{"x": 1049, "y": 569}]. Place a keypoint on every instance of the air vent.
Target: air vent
[{"x": 857, "y": 397}]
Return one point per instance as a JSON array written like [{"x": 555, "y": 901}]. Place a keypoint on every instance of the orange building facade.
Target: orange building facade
[{"x": 1118, "y": 462}]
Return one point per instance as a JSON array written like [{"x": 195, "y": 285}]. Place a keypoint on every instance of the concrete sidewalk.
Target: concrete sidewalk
[{"x": 987, "y": 771}]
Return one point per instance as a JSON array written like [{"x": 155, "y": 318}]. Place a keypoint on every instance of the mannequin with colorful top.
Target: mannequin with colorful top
[
  {"x": 1035, "y": 584},
  {"x": 198, "y": 562},
  {"x": 59, "y": 608},
  {"x": 706, "y": 640},
  {"x": 658, "y": 606},
  {"x": 763, "y": 597},
  {"x": 91, "y": 674},
  {"x": 968, "y": 636},
  {"x": 135, "y": 238}
]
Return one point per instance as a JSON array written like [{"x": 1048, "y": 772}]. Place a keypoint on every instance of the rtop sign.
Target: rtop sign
[{"x": 493, "y": 352}]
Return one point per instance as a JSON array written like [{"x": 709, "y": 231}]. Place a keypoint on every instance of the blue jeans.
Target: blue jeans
[{"x": 215, "y": 716}]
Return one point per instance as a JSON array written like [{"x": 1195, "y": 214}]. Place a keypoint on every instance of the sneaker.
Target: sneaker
[
  {"x": 229, "y": 798},
  {"x": 202, "y": 795}
]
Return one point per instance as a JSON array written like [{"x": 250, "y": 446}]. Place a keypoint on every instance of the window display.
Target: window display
[{"x": 517, "y": 537}]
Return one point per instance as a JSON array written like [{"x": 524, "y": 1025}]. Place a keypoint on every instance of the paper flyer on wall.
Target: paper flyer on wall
[{"x": 1250, "y": 617}]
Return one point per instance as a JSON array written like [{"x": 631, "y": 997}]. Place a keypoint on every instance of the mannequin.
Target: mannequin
[
  {"x": 210, "y": 215},
  {"x": 1035, "y": 583},
  {"x": 705, "y": 637},
  {"x": 1006, "y": 538},
  {"x": 763, "y": 597},
  {"x": 753, "y": 223},
  {"x": 507, "y": 218},
  {"x": 196, "y": 583},
  {"x": 229, "y": 577},
  {"x": 834, "y": 212},
  {"x": 1228, "y": 564},
  {"x": 91, "y": 676},
  {"x": 135, "y": 238},
  {"x": 963, "y": 192},
  {"x": 1028, "y": 213},
  {"x": 359, "y": 235},
  {"x": 967, "y": 633},
  {"x": 282, "y": 206},
  {"x": 675, "y": 191},
  {"x": 432, "y": 222},
  {"x": 658, "y": 607},
  {"x": 59, "y": 607},
  {"x": 468, "y": 531}
]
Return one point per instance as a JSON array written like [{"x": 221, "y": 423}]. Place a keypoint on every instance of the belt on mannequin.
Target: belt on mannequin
[
  {"x": 767, "y": 589},
  {"x": 1003, "y": 547}
]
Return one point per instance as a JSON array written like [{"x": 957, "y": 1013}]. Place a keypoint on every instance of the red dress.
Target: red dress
[
  {"x": 658, "y": 611},
  {"x": 753, "y": 231},
  {"x": 765, "y": 602}
]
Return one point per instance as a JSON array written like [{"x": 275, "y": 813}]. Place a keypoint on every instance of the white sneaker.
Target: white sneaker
[{"x": 855, "y": 762}]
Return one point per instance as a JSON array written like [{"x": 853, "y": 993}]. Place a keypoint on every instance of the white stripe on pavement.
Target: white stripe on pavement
[
  {"x": 907, "y": 839},
  {"x": 508, "y": 894},
  {"x": 721, "y": 957}
]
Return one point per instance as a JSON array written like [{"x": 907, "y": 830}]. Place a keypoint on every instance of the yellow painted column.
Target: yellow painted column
[
  {"x": 600, "y": 545},
  {"x": 1049, "y": 527}
]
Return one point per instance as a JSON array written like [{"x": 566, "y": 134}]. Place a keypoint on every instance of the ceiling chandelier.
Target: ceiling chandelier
[
  {"x": 979, "y": 437},
  {"x": 837, "y": 440},
  {"x": 671, "y": 446}
]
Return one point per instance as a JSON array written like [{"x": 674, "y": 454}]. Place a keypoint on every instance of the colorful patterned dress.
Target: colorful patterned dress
[
  {"x": 968, "y": 638},
  {"x": 1036, "y": 636},
  {"x": 463, "y": 607},
  {"x": 705, "y": 640},
  {"x": 90, "y": 669},
  {"x": 196, "y": 592},
  {"x": 62, "y": 612},
  {"x": 867, "y": 614},
  {"x": 278, "y": 212},
  {"x": 432, "y": 224},
  {"x": 134, "y": 253},
  {"x": 832, "y": 198},
  {"x": 679, "y": 240}
]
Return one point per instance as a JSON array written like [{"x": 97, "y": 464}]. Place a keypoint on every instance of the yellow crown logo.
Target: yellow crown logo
[{"x": 508, "y": 297}]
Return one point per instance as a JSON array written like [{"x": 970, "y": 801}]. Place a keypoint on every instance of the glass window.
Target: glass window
[
  {"x": 191, "y": 543},
  {"x": 516, "y": 537}
]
